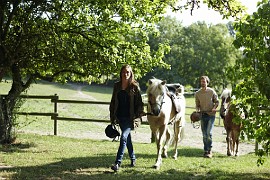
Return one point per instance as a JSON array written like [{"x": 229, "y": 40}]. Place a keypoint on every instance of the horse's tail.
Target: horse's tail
[{"x": 181, "y": 135}]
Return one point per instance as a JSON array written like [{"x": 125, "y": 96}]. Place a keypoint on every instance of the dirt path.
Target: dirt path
[{"x": 193, "y": 136}]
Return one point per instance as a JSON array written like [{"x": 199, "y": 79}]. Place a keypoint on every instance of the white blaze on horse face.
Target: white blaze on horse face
[{"x": 156, "y": 91}]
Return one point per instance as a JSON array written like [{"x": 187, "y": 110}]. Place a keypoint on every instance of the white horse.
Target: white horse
[{"x": 161, "y": 113}]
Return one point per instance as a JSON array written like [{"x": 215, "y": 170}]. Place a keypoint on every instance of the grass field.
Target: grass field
[
  {"x": 53, "y": 157},
  {"x": 37, "y": 156}
]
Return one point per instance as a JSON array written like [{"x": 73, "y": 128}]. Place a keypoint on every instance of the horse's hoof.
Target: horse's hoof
[
  {"x": 164, "y": 156},
  {"x": 229, "y": 154},
  {"x": 175, "y": 157},
  {"x": 156, "y": 167}
]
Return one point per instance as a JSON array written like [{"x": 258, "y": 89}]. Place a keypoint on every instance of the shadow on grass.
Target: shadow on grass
[
  {"x": 16, "y": 147},
  {"x": 99, "y": 168}
]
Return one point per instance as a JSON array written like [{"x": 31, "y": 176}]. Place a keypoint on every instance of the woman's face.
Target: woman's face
[{"x": 126, "y": 73}]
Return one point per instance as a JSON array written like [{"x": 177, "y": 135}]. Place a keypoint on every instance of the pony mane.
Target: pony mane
[
  {"x": 226, "y": 93},
  {"x": 156, "y": 87}
]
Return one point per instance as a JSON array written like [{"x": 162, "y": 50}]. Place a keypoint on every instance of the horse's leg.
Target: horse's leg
[
  {"x": 157, "y": 139},
  {"x": 228, "y": 139},
  {"x": 159, "y": 146},
  {"x": 166, "y": 144},
  {"x": 237, "y": 134},
  {"x": 233, "y": 142},
  {"x": 236, "y": 148},
  {"x": 177, "y": 130}
]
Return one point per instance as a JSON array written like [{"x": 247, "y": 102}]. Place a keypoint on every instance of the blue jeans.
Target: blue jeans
[
  {"x": 207, "y": 124},
  {"x": 125, "y": 141}
]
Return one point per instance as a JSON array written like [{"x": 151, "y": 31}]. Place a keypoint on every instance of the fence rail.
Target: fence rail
[{"x": 55, "y": 115}]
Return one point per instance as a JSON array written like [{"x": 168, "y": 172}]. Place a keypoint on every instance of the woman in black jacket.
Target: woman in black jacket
[{"x": 125, "y": 107}]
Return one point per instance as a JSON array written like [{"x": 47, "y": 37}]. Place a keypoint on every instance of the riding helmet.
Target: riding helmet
[
  {"x": 195, "y": 116},
  {"x": 111, "y": 131}
]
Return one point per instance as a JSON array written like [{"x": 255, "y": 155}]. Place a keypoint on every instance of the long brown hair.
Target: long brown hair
[{"x": 132, "y": 81}]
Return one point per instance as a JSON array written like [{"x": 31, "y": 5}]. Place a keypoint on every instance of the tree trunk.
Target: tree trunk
[
  {"x": 7, "y": 104},
  {"x": 6, "y": 121}
]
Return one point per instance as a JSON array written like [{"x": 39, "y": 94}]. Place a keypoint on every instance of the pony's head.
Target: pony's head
[
  {"x": 156, "y": 92},
  {"x": 225, "y": 99}
]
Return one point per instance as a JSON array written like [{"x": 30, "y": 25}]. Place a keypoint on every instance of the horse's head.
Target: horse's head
[
  {"x": 156, "y": 92},
  {"x": 225, "y": 100}
]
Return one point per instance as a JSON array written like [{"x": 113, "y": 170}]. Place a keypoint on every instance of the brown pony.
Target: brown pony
[{"x": 232, "y": 129}]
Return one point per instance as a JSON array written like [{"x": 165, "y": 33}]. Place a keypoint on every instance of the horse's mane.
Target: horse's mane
[
  {"x": 226, "y": 93},
  {"x": 156, "y": 87}
]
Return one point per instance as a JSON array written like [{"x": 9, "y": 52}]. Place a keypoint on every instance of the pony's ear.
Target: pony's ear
[
  {"x": 163, "y": 82},
  {"x": 150, "y": 81}
]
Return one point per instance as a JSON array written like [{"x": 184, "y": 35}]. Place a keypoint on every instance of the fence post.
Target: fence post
[{"x": 55, "y": 112}]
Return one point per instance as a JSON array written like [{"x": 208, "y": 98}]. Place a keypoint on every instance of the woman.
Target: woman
[{"x": 126, "y": 106}]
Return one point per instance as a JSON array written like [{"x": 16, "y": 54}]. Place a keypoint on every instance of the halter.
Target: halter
[
  {"x": 225, "y": 103},
  {"x": 156, "y": 103}
]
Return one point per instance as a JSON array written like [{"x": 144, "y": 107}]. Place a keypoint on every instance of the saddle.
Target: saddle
[{"x": 176, "y": 92}]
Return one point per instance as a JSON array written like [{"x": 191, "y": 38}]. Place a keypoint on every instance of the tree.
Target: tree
[
  {"x": 77, "y": 40},
  {"x": 71, "y": 40},
  {"x": 207, "y": 50},
  {"x": 196, "y": 50},
  {"x": 252, "y": 72},
  {"x": 169, "y": 28}
]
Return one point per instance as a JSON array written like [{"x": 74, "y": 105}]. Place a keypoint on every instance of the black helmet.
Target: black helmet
[{"x": 111, "y": 131}]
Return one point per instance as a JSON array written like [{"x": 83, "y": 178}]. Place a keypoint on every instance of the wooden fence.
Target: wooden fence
[{"x": 55, "y": 115}]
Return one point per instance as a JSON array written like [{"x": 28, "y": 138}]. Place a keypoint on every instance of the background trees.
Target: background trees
[{"x": 196, "y": 50}]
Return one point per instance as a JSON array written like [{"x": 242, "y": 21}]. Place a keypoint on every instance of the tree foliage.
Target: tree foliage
[
  {"x": 253, "y": 90},
  {"x": 82, "y": 40},
  {"x": 196, "y": 50},
  {"x": 73, "y": 40}
]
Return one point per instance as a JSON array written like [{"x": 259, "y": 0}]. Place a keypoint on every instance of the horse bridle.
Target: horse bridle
[
  {"x": 223, "y": 104},
  {"x": 156, "y": 103}
]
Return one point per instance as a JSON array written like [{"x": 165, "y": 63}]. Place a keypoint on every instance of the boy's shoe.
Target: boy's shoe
[
  {"x": 115, "y": 167},
  {"x": 205, "y": 154}
]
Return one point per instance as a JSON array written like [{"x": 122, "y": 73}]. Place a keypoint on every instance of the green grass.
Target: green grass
[
  {"x": 45, "y": 156},
  {"x": 53, "y": 157}
]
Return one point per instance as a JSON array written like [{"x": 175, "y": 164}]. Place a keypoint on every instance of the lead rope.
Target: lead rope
[{"x": 118, "y": 137}]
